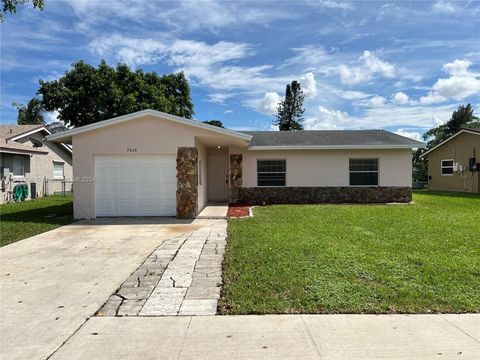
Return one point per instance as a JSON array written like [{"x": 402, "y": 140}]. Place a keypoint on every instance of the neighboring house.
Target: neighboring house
[
  {"x": 454, "y": 163},
  {"x": 155, "y": 164},
  {"x": 27, "y": 158}
]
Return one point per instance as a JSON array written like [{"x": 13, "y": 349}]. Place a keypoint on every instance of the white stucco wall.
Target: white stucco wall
[
  {"x": 329, "y": 167},
  {"x": 202, "y": 169},
  {"x": 148, "y": 135}
]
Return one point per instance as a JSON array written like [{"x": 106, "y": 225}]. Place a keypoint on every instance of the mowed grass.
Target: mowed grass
[
  {"x": 418, "y": 258},
  {"x": 23, "y": 219}
]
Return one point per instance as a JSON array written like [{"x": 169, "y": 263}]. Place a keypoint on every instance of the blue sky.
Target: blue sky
[{"x": 402, "y": 66}]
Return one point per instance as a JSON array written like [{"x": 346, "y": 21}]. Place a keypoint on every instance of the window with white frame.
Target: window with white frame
[
  {"x": 58, "y": 170},
  {"x": 447, "y": 167},
  {"x": 363, "y": 172},
  {"x": 271, "y": 172},
  {"x": 18, "y": 165}
]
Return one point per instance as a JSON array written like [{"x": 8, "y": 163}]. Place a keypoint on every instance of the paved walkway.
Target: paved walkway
[
  {"x": 324, "y": 337},
  {"x": 182, "y": 276},
  {"x": 51, "y": 283}
]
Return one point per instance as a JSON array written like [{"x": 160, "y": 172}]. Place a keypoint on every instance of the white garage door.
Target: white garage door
[{"x": 136, "y": 185}]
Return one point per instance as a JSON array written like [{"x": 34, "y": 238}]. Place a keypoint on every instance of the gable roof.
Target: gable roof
[
  {"x": 66, "y": 136},
  {"x": 329, "y": 139},
  {"x": 9, "y": 135},
  {"x": 475, "y": 131}
]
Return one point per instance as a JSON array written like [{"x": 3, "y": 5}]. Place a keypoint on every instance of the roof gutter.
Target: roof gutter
[{"x": 334, "y": 147}]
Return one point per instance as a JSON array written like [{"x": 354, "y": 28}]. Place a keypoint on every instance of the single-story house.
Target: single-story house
[
  {"x": 154, "y": 164},
  {"x": 26, "y": 157},
  {"x": 454, "y": 164}
]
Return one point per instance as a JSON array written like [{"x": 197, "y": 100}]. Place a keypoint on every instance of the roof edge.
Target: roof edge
[
  {"x": 450, "y": 138},
  {"x": 119, "y": 119},
  {"x": 332, "y": 147}
]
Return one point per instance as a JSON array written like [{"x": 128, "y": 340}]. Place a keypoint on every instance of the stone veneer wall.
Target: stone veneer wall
[
  {"x": 236, "y": 180},
  {"x": 312, "y": 195},
  {"x": 187, "y": 182}
]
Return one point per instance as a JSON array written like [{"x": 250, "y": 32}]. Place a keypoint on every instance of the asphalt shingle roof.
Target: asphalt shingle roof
[{"x": 330, "y": 138}]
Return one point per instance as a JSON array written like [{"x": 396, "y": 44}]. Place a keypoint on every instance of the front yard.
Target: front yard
[
  {"x": 21, "y": 220},
  {"x": 418, "y": 258}
]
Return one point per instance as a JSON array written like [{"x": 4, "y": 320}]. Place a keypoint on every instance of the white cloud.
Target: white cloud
[
  {"x": 309, "y": 85},
  {"x": 268, "y": 105},
  {"x": 51, "y": 116},
  {"x": 369, "y": 67},
  {"x": 444, "y": 7},
  {"x": 229, "y": 111},
  {"x": 376, "y": 101},
  {"x": 352, "y": 95},
  {"x": 400, "y": 98},
  {"x": 461, "y": 83},
  {"x": 308, "y": 55},
  {"x": 325, "y": 119},
  {"x": 409, "y": 134},
  {"x": 184, "y": 16},
  {"x": 219, "y": 98}
]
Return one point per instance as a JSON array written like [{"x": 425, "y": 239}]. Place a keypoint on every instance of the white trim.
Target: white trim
[
  {"x": 66, "y": 135},
  {"x": 446, "y": 167},
  {"x": 450, "y": 138},
  {"x": 330, "y": 147},
  {"x": 22, "y": 135},
  {"x": 21, "y": 151},
  {"x": 43, "y": 128}
]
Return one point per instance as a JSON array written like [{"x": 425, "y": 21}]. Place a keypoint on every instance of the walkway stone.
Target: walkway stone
[{"x": 183, "y": 276}]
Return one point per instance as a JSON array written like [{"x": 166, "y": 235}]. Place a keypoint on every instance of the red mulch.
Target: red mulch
[{"x": 237, "y": 210}]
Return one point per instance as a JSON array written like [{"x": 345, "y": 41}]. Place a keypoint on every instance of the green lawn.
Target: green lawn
[
  {"x": 418, "y": 258},
  {"x": 21, "y": 220}
]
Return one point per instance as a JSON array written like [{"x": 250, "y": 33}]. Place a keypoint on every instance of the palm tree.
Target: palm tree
[{"x": 32, "y": 114}]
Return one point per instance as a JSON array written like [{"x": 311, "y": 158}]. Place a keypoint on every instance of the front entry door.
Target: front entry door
[{"x": 217, "y": 177}]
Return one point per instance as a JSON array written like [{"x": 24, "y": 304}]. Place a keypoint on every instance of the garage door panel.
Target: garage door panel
[{"x": 135, "y": 185}]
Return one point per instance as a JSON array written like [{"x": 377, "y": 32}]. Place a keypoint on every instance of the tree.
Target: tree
[
  {"x": 10, "y": 6},
  {"x": 86, "y": 94},
  {"x": 290, "y": 110},
  {"x": 56, "y": 127},
  {"x": 32, "y": 114},
  {"x": 461, "y": 118},
  {"x": 214, "y": 123}
]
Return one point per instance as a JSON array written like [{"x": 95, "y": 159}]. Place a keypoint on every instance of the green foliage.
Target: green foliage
[
  {"x": 32, "y": 114},
  {"x": 355, "y": 258},
  {"x": 290, "y": 110},
  {"x": 10, "y": 6},
  {"x": 461, "y": 118},
  {"x": 217, "y": 123},
  {"x": 85, "y": 94}
]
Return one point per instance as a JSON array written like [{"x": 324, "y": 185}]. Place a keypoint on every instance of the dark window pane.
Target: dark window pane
[
  {"x": 363, "y": 164},
  {"x": 447, "y": 171},
  {"x": 447, "y": 162},
  {"x": 271, "y": 179},
  {"x": 271, "y": 166},
  {"x": 359, "y": 178}
]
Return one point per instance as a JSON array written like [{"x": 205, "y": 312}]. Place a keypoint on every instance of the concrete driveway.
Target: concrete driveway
[{"x": 51, "y": 283}]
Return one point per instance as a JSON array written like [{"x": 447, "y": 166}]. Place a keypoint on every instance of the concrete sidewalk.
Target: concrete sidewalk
[{"x": 277, "y": 337}]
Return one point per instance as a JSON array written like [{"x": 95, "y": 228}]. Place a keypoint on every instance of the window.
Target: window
[
  {"x": 58, "y": 170},
  {"x": 363, "y": 171},
  {"x": 271, "y": 172},
  {"x": 447, "y": 167},
  {"x": 18, "y": 164}
]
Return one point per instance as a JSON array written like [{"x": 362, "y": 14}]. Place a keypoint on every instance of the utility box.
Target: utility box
[
  {"x": 472, "y": 165},
  {"x": 33, "y": 191}
]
